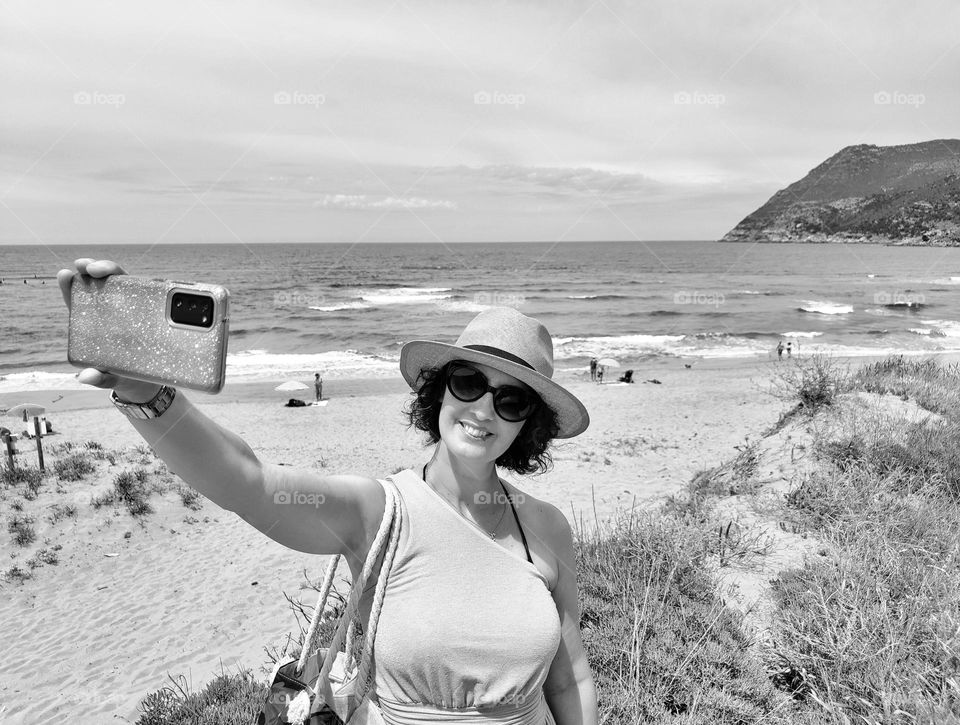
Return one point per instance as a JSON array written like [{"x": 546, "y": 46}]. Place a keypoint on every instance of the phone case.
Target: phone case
[{"x": 122, "y": 324}]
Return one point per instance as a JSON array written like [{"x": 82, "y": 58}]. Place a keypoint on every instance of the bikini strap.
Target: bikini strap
[{"x": 517, "y": 518}]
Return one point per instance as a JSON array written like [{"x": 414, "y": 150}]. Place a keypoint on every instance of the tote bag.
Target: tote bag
[{"x": 325, "y": 686}]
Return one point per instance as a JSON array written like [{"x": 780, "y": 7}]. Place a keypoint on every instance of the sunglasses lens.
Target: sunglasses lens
[
  {"x": 513, "y": 404},
  {"x": 466, "y": 383}
]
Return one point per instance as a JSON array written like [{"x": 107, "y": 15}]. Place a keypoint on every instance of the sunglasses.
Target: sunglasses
[{"x": 511, "y": 403}]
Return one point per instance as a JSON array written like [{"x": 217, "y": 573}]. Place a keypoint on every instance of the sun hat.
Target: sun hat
[{"x": 508, "y": 341}]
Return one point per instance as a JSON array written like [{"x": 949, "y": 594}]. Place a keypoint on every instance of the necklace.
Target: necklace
[{"x": 491, "y": 534}]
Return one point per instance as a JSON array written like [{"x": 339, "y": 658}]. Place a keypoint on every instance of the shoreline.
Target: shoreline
[{"x": 62, "y": 400}]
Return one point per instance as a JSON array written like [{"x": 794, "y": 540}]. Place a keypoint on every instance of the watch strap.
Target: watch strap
[{"x": 153, "y": 408}]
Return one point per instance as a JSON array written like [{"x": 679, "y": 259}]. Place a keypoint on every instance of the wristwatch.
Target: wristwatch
[{"x": 153, "y": 408}]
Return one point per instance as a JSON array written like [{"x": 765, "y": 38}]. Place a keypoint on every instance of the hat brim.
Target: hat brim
[{"x": 417, "y": 355}]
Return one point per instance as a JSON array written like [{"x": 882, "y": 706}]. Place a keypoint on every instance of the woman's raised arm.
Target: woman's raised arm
[{"x": 296, "y": 507}]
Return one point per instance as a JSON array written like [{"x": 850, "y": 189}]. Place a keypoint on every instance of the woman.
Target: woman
[{"x": 480, "y": 620}]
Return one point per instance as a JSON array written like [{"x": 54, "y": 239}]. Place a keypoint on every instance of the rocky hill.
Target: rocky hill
[{"x": 872, "y": 194}]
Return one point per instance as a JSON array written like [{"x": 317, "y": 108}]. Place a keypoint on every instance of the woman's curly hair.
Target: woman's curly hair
[{"x": 527, "y": 454}]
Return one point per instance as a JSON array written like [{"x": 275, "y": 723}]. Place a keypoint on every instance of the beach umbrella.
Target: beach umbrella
[
  {"x": 292, "y": 385},
  {"x": 25, "y": 410},
  {"x": 608, "y": 362}
]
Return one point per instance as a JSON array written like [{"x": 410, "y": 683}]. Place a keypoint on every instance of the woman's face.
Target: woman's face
[{"x": 473, "y": 431}]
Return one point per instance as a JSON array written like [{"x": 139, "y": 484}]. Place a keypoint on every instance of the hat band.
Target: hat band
[{"x": 500, "y": 353}]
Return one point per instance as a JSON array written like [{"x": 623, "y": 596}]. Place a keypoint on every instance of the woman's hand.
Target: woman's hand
[{"x": 127, "y": 389}]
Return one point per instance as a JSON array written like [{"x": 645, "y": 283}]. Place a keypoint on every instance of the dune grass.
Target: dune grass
[
  {"x": 226, "y": 699},
  {"x": 870, "y": 628},
  {"x": 662, "y": 645}
]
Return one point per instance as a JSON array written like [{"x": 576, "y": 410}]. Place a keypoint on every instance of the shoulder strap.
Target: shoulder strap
[
  {"x": 517, "y": 519},
  {"x": 389, "y": 529}
]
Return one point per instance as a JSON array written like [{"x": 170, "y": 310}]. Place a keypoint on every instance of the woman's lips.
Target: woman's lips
[{"x": 475, "y": 432}]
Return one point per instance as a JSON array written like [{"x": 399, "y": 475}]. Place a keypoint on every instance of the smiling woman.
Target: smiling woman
[{"x": 478, "y": 620}]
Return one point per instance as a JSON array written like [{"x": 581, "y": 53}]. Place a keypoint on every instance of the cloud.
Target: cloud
[
  {"x": 362, "y": 201},
  {"x": 400, "y": 127}
]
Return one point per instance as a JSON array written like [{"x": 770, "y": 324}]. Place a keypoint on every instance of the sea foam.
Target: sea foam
[{"x": 825, "y": 308}]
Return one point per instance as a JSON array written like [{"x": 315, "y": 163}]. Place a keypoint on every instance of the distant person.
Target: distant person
[
  {"x": 593, "y": 368},
  {"x": 600, "y": 374},
  {"x": 789, "y": 349},
  {"x": 780, "y": 350},
  {"x": 318, "y": 386}
]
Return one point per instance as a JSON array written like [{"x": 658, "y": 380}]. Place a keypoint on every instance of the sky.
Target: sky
[{"x": 216, "y": 121}]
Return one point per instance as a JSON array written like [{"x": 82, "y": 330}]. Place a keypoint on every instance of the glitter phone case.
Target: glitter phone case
[{"x": 123, "y": 324}]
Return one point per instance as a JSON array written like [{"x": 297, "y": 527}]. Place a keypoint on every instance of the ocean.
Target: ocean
[{"x": 345, "y": 310}]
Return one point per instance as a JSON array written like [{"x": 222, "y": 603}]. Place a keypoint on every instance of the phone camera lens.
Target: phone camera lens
[{"x": 192, "y": 310}]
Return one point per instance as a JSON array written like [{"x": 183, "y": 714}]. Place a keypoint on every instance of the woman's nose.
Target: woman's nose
[{"x": 484, "y": 406}]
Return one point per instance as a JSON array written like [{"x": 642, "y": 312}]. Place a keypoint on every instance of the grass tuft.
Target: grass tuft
[
  {"x": 31, "y": 476},
  {"x": 226, "y": 699},
  {"x": 74, "y": 467},
  {"x": 190, "y": 498},
  {"x": 60, "y": 511},
  {"x": 130, "y": 489},
  {"x": 20, "y": 527}
]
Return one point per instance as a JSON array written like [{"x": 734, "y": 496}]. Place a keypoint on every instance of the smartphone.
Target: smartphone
[{"x": 161, "y": 331}]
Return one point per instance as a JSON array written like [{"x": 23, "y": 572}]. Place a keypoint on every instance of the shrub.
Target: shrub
[
  {"x": 16, "y": 574},
  {"x": 74, "y": 467},
  {"x": 44, "y": 556},
  {"x": 61, "y": 511},
  {"x": 226, "y": 699},
  {"x": 131, "y": 490},
  {"x": 100, "y": 453},
  {"x": 190, "y": 498},
  {"x": 20, "y": 527},
  {"x": 30, "y": 475},
  {"x": 813, "y": 382},
  {"x": 107, "y": 498}
]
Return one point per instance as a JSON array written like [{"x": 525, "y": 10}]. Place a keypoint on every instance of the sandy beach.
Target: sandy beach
[{"x": 181, "y": 592}]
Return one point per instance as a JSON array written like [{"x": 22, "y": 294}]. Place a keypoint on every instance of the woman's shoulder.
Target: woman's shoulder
[{"x": 546, "y": 519}]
